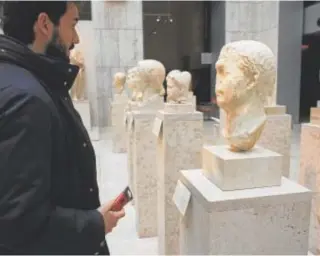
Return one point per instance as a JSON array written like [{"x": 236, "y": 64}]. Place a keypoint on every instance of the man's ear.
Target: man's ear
[{"x": 44, "y": 26}]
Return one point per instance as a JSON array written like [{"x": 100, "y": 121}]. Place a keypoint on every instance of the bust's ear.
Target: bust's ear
[{"x": 252, "y": 78}]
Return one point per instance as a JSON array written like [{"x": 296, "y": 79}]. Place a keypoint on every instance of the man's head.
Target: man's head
[
  {"x": 245, "y": 69},
  {"x": 47, "y": 27}
]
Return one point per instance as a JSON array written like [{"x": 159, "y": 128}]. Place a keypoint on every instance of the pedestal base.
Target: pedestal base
[
  {"x": 315, "y": 116},
  {"x": 145, "y": 173},
  {"x": 179, "y": 147},
  {"x": 276, "y": 135},
  {"x": 309, "y": 176},
  {"x": 265, "y": 221},
  {"x": 258, "y": 167},
  {"x": 83, "y": 108},
  {"x": 119, "y": 144}
]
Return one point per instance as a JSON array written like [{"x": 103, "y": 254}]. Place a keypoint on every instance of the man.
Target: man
[{"x": 49, "y": 198}]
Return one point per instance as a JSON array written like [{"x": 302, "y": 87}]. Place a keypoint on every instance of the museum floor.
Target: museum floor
[{"x": 113, "y": 177}]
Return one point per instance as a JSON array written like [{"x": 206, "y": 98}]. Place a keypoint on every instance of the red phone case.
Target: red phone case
[{"x": 124, "y": 198}]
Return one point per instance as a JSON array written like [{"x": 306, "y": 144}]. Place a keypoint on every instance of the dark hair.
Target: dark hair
[{"x": 20, "y": 16}]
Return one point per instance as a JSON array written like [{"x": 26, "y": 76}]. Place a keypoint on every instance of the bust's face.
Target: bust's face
[
  {"x": 132, "y": 79},
  {"x": 231, "y": 84},
  {"x": 172, "y": 88}
]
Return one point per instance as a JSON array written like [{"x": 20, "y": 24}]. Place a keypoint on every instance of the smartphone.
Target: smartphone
[{"x": 122, "y": 199}]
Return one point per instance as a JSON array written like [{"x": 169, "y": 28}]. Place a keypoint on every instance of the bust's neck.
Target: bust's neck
[
  {"x": 244, "y": 125},
  {"x": 148, "y": 93}
]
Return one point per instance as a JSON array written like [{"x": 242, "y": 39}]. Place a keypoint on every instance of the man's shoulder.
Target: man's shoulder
[{"x": 16, "y": 80}]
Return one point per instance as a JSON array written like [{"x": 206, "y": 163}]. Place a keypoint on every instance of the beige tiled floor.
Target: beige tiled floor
[{"x": 113, "y": 177}]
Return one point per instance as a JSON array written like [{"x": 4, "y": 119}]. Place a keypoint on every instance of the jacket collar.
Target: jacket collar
[{"x": 55, "y": 73}]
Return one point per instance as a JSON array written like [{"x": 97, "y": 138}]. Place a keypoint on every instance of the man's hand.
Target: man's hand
[{"x": 110, "y": 217}]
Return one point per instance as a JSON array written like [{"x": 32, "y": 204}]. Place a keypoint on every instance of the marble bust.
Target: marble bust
[
  {"x": 78, "y": 88},
  {"x": 246, "y": 74},
  {"x": 133, "y": 80},
  {"x": 151, "y": 75},
  {"x": 119, "y": 80},
  {"x": 178, "y": 84}
]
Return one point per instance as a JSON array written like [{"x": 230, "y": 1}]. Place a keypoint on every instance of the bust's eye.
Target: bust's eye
[{"x": 220, "y": 69}]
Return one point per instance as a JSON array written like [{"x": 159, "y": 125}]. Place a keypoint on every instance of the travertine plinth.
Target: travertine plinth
[
  {"x": 192, "y": 99},
  {"x": 119, "y": 144},
  {"x": 276, "y": 135},
  {"x": 145, "y": 172},
  {"x": 129, "y": 139},
  {"x": 179, "y": 147},
  {"x": 228, "y": 170},
  {"x": 276, "y": 110},
  {"x": 260, "y": 221},
  {"x": 315, "y": 116},
  {"x": 309, "y": 176}
]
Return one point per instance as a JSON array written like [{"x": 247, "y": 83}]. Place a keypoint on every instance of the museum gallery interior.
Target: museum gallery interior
[{"x": 222, "y": 190}]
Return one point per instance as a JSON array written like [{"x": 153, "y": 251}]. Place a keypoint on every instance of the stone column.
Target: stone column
[
  {"x": 309, "y": 174},
  {"x": 179, "y": 146},
  {"x": 144, "y": 176},
  {"x": 118, "y": 43}
]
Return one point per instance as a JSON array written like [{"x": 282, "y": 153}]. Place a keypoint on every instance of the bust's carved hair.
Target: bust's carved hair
[
  {"x": 256, "y": 60},
  {"x": 119, "y": 79},
  {"x": 149, "y": 70}
]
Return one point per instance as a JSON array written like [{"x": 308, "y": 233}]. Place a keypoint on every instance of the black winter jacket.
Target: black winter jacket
[{"x": 48, "y": 183}]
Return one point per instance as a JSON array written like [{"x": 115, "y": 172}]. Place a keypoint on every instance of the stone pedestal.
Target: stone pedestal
[
  {"x": 118, "y": 126},
  {"x": 261, "y": 221},
  {"x": 128, "y": 120},
  {"x": 180, "y": 141},
  {"x": 315, "y": 116},
  {"x": 309, "y": 176},
  {"x": 276, "y": 135},
  {"x": 145, "y": 169},
  {"x": 241, "y": 170},
  {"x": 193, "y": 99},
  {"x": 83, "y": 108}
]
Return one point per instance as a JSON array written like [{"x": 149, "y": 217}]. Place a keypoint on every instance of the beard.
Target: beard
[{"x": 57, "y": 49}]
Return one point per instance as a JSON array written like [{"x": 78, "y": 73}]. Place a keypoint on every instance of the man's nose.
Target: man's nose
[{"x": 76, "y": 39}]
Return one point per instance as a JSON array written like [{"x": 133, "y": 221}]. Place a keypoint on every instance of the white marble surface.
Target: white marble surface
[
  {"x": 265, "y": 221},
  {"x": 118, "y": 44}
]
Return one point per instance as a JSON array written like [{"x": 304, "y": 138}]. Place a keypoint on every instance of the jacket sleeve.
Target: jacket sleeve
[{"x": 29, "y": 222}]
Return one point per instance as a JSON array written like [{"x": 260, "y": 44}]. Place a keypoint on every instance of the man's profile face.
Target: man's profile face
[{"x": 64, "y": 36}]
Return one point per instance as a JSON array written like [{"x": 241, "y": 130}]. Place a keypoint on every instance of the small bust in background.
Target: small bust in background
[
  {"x": 178, "y": 84},
  {"x": 133, "y": 80},
  {"x": 119, "y": 80},
  {"x": 152, "y": 74},
  {"x": 246, "y": 74}
]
